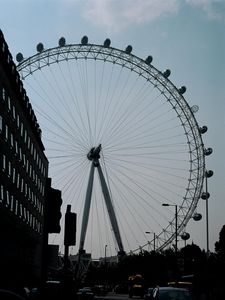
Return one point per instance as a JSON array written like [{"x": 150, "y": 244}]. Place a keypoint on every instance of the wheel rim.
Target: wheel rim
[{"x": 155, "y": 140}]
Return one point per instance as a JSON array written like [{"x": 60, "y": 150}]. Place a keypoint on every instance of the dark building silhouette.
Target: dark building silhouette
[{"x": 23, "y": 173}]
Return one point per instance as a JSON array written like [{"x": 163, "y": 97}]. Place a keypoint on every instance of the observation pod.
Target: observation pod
[
  {"x": 208, "y": 151},
  {"x": 203, "y": 129},
  {"x": 166, "y": 73},
  {"x": 182, "y": 90},
  {"x": 208, "y": 173},
  {"x": 205, "y": 195},
  {"x": 185, "y": 236},
  {"x": 107, "y": 43},
  {"x": 194, "y": 109},
  {"x": 84, "y": 40},
  {"x": 128, "y": 50},
  {"x": 40, "y": 47},
  {"x": 197, "y": 217},
  {"x": 19, "y": 57},
  {"x": 148, "y": 60},
  {"x": 62, "y": 42}
]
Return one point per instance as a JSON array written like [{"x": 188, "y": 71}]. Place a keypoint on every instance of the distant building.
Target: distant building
[{"x": 23, "y": 172}]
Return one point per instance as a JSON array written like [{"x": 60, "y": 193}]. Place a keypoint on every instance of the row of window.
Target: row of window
[
  {"x": 9, "y": 137},
  {"x": 22, "y": 91},
  {"x": 10, "y": 201},
  {"x": 22, "y": 131},
  {"x": 22, "y": 184}
]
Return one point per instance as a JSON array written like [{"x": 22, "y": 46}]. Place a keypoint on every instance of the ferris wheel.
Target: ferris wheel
[{"x": 121, "y": 140}]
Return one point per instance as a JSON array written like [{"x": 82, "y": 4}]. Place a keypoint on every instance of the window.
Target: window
[
  {"x": 7, "y": 198},
  {"x": 20, "y": 154},
  {"x": 21, "y": 186},
  {"x": 3, "y": 94},
  {"x": 11, "y": 140},
  {"x": 6, "y": 132},
  {"x": 34, "y": 153},
  {"x": 16, "y": 147},
  {"x": 31, "y": 219},
  {"x": 16, "y": 207},
  {"x": 24, "y": 160},
  {"x": 18, "y": 180},
  {"x": 21, "y": 211},
  {"x": 28, "y": 217},
  {"x": 27, "y": 166},
  {"x": 3, "y": 47},
  {"x": 29, "y": 194},
  {"x": 21, "y": 129},
  {"x": 18, "y": 121},
  {"x": 25, "y": 136},
  {"x": 28, "y": 143},
  {"x": 12, "y": 203},
  {"x": 14, "y": 112},
  {"x": 2, "y": 194},
  {"x": 0, "y": 123},
  {"x": 25, "y": 213},
  {"x": 9, "y": 103},
  {"x": 14, "y": 175},
  {"x": 9, "y": 169},
  {"x": 3, "y": 162},
  {"x": 25, "y": 189}
]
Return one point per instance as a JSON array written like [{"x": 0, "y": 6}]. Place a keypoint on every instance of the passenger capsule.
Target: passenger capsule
[
  {"x": 62, "y": 42},
  {"x": 166, "y": 73},
  {"x": 185, "y": 236},
  {"x": 149, "y": 60},
  {"x": 203, "y": 129},
  {"x": 208, "y": 151},
  {"x": 209, "y": 173},
  {"x": 107, "y": 43},
  {"x": 182, "y": 90},
  {"x": 197, "y": 217},
  {"x": 84, "y": 40},
  {"x": 19, "y": 57},
  {"x": 205, "y": 195},
  {"x": 128, "y": 50},
  {"x": 40, "y": 47}
]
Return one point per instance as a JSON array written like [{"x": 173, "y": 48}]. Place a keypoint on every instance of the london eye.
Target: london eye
[{"x": 121, "y": 140}]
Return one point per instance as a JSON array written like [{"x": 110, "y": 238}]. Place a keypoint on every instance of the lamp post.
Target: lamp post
[
  {"x": 149, "y": 232},
  {"x": 105, "y": 253},
  {"x": 176, "y": 265},
  {"x": 167, "y": 204},
  {"x": 205, "y": 196}
]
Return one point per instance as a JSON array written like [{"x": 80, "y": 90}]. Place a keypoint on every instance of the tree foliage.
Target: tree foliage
[{"x": 220, "y": 245}]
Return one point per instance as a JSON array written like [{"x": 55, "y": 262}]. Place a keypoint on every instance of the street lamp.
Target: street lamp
[
  {"x": 149, "y": 232},
  {"x": 205, "y": 196},
  {"x": 167, "y": 204},
  {"x": 105, "y": 253}
]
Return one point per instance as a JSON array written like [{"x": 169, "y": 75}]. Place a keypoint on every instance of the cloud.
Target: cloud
[
  {"x": 116, "y": 15},
  {"x": 214, "y": 9}
]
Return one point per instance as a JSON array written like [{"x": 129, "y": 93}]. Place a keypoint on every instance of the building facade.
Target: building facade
[{"x": 23, "y": 174}]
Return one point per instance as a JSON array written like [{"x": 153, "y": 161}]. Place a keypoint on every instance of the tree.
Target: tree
[{"x": 220, "y": 245}]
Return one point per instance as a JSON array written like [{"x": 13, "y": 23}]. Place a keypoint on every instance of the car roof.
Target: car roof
[{"x": 170, "y": 288}]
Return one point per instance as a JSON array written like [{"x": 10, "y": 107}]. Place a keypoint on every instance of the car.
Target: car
[
  {"x": 171, "y": 293},
  {"x": 148, "y": 294},
  {"x": 10, "y": 295},
  {"x": 85, "y": 293}
]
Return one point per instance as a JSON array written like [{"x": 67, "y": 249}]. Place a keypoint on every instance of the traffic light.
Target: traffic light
[
  {"x": 70, "y": 228},
  {"x": 53, "y": 202}
]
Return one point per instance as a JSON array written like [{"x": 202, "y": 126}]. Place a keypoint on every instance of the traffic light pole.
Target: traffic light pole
[
  {"x": 66, "y": 249},
  {"x": 69, "y": 235}
]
